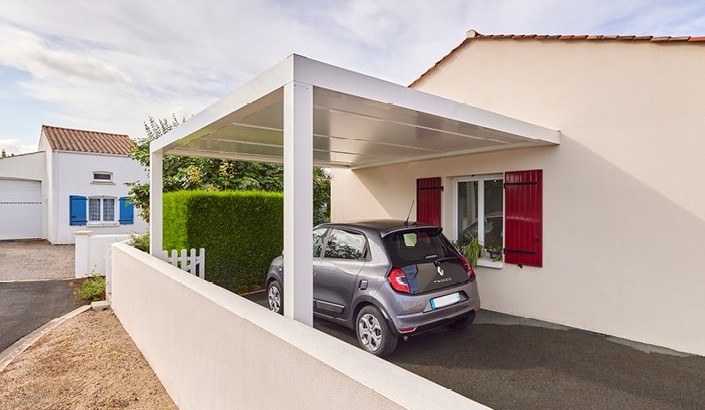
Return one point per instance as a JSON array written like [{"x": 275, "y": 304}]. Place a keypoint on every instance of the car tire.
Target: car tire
[
  {"x": 463, "y": 322},
  {"x": 275, "y": 297},
  {"x": 373, "y": 332}
]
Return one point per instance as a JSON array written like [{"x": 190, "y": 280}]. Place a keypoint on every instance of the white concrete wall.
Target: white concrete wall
[
  {"x": 212, "y": 349},
  {"x": 24, "y": 166},
  {"x": 73, "y": 173},
  {"x": 624, "y": 211},
  {"x": 92, "y": 255}
]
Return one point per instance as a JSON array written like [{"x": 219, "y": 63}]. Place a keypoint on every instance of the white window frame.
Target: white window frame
[
  {"x": 103, "y": 181},
  {"x": 481, "y": 178},
  {"x": 102, "y": 222}
]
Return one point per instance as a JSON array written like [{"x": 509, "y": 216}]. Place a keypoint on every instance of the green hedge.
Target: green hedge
[{"x": 242, "y": 231}]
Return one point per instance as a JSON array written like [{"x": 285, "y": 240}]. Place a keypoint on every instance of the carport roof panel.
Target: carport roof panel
[{"x": 358, "y": 121}]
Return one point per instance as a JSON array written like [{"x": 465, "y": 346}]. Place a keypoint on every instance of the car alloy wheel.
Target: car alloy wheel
[
  {"x": 370, "y": 332},
  {"x": 373, "y": 332},
  {"x": 274, "y": 297}
]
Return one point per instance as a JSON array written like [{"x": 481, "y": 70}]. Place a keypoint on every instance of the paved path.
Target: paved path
[
  {"x": 32, "y": 260},
  {"x": 512, "y": 363},
  {"x": 27, "y": 305}
]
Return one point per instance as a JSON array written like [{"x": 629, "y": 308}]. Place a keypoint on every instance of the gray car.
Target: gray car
[{"x": 385, "y": 279}]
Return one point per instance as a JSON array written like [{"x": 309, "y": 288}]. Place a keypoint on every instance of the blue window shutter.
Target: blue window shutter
[
  {"x": 127, "y": 212},
  {"x": 77, "y": 210}
]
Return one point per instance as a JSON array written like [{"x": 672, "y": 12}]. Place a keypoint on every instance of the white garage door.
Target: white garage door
[{"x": 20, "y": 209}]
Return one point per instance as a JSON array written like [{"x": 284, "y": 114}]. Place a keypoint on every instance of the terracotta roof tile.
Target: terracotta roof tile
[
  {"x": 473, "y": 35},
  {"x": 66, "y": 139}
]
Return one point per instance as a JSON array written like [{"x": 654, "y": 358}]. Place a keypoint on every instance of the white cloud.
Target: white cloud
[
  {"x": 107, "y": 65},
  {"x": 25, "y": 51},
  {"x": 16, "y": 146}
]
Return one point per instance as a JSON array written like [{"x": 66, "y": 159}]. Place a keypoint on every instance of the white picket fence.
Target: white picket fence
[{"x": 189, "y": 261}]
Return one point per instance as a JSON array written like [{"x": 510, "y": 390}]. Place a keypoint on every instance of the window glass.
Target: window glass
[
  {"x": 494, "y": 215},
  {"x": 319, "y": 235},
  {"x": 101, "y": 209},
  {"x": 426, "y": 246},
  {"x": 108, "y": 209},
  {"x": 94, "y": 209},
  {"x": 103, "y": 176},
  {"x": 345, "y": 245},
  {"x": 480, "y": 205},
  {"x": 468, "y": 192}
]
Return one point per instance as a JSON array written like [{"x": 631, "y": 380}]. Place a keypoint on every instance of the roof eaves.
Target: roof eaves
[{"x": 474, "y": 35}]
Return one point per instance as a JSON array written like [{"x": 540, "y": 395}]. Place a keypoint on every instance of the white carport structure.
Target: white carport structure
[{"x": 304, "y": 113}]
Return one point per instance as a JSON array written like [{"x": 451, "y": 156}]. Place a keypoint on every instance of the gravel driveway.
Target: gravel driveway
[{"x": 33, "y": 260}]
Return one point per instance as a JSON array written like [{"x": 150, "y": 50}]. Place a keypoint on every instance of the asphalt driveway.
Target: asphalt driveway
[
  {"x": 27, "y": 305},
  {"x": 513, "y": 363},
  {"x": 30, "y": 295}
]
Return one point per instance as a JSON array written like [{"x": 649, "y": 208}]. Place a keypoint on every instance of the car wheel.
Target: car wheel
[
  {"x": 463, "y": 322},
  {"x": 275, "y": 297},
  {"x": 373, "y": 332}
]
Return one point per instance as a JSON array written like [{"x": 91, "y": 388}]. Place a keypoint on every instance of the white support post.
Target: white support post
[
  {"x": 298, "y": 198},
  {"x": 155, "y": 203}
]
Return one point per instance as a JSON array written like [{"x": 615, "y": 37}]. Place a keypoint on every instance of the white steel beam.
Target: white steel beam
[
  {"x": 298, "y": 199},
  {"x": 155, "y": 204}
]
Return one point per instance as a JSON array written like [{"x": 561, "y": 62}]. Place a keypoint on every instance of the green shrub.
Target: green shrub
[
  {"x": 92, "y": 288},
  {"x": 241, "y": 231},
  {"x": 140, "y": 241}
]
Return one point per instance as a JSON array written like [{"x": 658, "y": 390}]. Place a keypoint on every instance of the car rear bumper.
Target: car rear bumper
[{"x": 424, "y": 317}]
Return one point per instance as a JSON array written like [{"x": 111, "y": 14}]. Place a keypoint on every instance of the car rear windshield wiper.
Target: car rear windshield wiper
[{"x": 447, "y": 258}]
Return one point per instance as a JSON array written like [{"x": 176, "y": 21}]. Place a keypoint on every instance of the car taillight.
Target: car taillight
[
  {"x": 468, "y": 267},
  {"x": 397, "y": 279}
]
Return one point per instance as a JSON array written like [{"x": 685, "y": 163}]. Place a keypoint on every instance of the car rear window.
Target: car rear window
[{"x": 417, "y": 246}]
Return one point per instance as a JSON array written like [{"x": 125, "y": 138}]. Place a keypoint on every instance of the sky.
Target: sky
[{"x": 108, "y": 65}]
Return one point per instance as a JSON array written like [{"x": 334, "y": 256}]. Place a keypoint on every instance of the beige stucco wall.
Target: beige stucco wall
[{"x": 624, "y": 207}]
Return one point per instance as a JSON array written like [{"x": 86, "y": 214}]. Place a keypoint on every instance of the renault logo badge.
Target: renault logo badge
[{"x": 440, "y": 271}]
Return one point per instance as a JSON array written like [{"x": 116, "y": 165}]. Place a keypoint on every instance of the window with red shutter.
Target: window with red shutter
[
  {"x": 523, "y": 212},
  {"x": 428, "y": 200}
]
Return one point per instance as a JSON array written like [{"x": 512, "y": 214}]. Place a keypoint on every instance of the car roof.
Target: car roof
[{"x": 383, "y": 226}]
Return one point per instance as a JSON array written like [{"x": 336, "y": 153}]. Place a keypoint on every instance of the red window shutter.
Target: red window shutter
[
  {"x": 428, "y": 200},
  {"x": 523, "y": 211}
]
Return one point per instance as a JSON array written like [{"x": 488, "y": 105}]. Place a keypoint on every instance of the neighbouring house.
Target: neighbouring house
[
  {"x": 603, "y": 232},
  {"x": 75, "y": 181}
]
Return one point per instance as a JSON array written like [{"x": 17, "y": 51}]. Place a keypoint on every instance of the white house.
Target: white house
[{"x": 76, "y": 181}]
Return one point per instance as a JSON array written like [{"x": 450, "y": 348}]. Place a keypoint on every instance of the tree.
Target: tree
[
  {"x": 216, "y": 174},
  {"x": 3, "y": 154}
]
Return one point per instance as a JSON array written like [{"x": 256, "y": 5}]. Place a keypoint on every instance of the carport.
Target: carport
[{"x": 303, "y": 113}]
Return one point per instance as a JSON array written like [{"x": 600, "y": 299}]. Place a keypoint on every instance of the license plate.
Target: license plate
[{"x": 445, "y": 300}]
